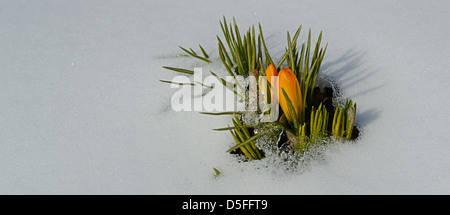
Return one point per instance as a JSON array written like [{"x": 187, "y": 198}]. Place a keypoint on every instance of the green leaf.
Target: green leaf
[
  {"x": 193, "y": 54},
  {"x": 266, "y": 52},
  {"x": 228, "y": 84},
  {"x": 234, "y": 127},
  {"x": 250, "y": 147},
  {"x": 177, "y": 83},
  {"x": 223, "y": 113},
  {"x": 297, "y": 33},
  {"x": 203, "y": 51},
  {"x": 225, "y": 57},
  {"x": 254, "y": 137},
  {"x": 300, "y": 67},
  {"x": 190, "y": 72},
  {"x": 204, "y": 85},
  {"x": 216, "y": 171},
  {"x": 244, "y": 129},
  {"x": 243, "y": 149},
  {"x": 299, "y": 107},
  {"x": 291, "y": 110},
  {"x": 282, "y": 60}
]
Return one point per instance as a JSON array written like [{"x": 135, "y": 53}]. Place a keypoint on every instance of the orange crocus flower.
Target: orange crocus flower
[
  {"x": 270, "y": 72},
  {"x": 288, "y": 81}
]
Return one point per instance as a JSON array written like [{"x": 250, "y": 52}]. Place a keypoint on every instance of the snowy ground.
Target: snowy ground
[{"x": 82, "y": 111}]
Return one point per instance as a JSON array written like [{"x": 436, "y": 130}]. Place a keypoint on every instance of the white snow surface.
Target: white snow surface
[{"x": 83, "y": 112}]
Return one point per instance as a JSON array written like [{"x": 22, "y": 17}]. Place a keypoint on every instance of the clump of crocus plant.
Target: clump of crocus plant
[{"x": 304, "y": 119}]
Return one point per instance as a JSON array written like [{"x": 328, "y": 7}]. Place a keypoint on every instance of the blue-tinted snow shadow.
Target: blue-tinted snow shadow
[
  {"x": 367, "y": 116},
  {"x": 349, "y": 68}
]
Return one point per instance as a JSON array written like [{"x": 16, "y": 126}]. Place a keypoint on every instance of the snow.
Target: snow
[{"x": 83, "y": 112}]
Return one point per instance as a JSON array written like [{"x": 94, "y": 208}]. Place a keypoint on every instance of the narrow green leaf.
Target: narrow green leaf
[
  {"x": 192, "y": 51},
  {"x": 308, "y": 48},
  {"x": 266, "y": 52},
  {"x": 177, "y": 83},
  {"x": 316, "y": 49},
  {"x": 299, "y": 107},
  {"x": 259, "y": 56},
  {"x": 190, "y": 72},
  {"x": 204, "y": 85},
  {"x": 193, "y": 54},
  {"x": 311, "y": 123},
  {"x": 225, "y": 57},
  {"x": 224, "y": 113},
  {"x": 254, "y": 137},
  {"x": 203, "y": 51},
  {"x": 247, "y": 135},
  {"x": 242, "y": 138},
  {"x": 243, "y": 149},
  {"x": 290, "y": 53},
  {"x": 228, "y": 84},
  {"x": 234, "y": 127},
  {"x": 300, "y": 68},
  {"x": 282, "y": 60},
  {"x": 294, "y": 40},
  {"x": 216, "y": 171},
  {"x": 291, "y": 110}
]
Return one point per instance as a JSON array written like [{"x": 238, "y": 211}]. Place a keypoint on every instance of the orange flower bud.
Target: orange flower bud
[
  {"x": 288, "y": 82},
  {"x": 270, "y": 72}
]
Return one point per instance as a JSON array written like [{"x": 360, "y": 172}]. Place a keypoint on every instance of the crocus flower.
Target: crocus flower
[
  {"x": 286, "y": 81},
  {"x": 271, "y": 71},
  {"x": 289, "y": 83}
]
